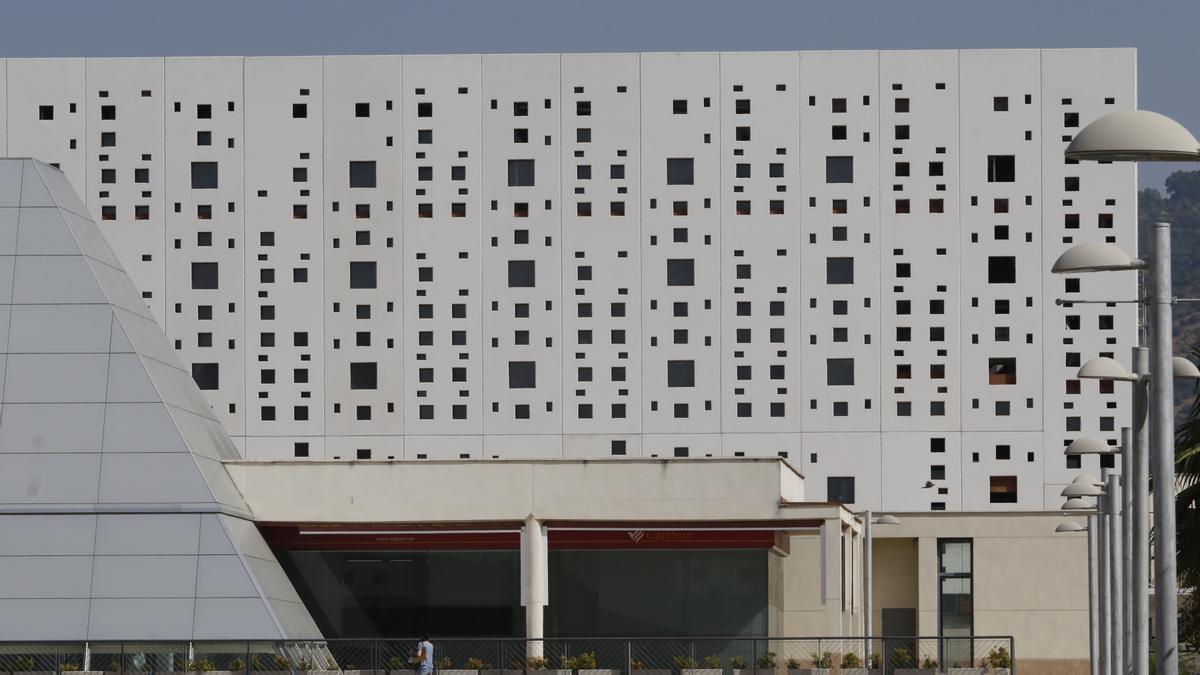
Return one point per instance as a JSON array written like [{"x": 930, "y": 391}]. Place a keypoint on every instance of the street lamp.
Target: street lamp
[
  {"x": 1139, "y": 136},
  {"x": 869, "y": 545},
  {"x": 1134, "y": 558}
]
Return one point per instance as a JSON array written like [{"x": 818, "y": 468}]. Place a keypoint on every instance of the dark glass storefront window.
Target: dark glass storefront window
[
  {"x": 657, "y": 592},
  {"x": 366, "y": 594},
  {"x": 955, "y": 600}
]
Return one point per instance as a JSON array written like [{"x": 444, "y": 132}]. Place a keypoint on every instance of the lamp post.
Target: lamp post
[
  {"x": 1088, "y": 445},
  {"x": 1136, "y": 136},
  {"x": 869, "y": 546},
  {"x": 1100, "y": 615},
  {"x": 1136, "y": 484}
]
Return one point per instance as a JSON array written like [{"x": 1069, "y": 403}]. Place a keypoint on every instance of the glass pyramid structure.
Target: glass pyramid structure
[{"x": 117, "y": 518}]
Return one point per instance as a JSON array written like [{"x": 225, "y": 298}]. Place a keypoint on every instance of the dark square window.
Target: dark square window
[
  {"x": 1002, "y": 269},
  {"x": 681, "y": 373},
  {"x": 1001, "y": 168},
  {"x": 299, "y": 110},
  {"x": 839, "y": 169},
  {"x": 206, "y": 375},
  {"x": 362, "y": 174},
  {"x": 681, "y": 272},
  {"x": 520, "y": 172},
  {"x": 840, "y": 489},
  {"x": 362, "y": 275},
  {"x": 521, "y": 274},
  {"x": 364, "y": 376},
  {"x": 839, "y": 372},
  {"x": 204, "y": 275},
  {"x": 680, "y": 171},
  {"x": 522, "y": 374},
  {"x": 1002, "y": 489},
  {"x": 839, "y": 270},
  {"x": 204, "y": 175},
  {"x": 45, "y": 112}
]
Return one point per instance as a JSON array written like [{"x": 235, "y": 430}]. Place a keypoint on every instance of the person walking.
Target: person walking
[{"x": 424, "y": 656}]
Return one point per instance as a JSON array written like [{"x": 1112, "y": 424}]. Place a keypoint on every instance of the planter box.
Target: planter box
[
  {"x": 694, "y": 671},
  {"x": 977, "y": 671},
  {"x": 755, "y": 671},
  {"x": 457, "y": 671},
  {"x": 652, "y": 671},
  {"x": 862, "y": 671},
  {"x": 613, "y": 671},
  {"x": 809, "y": 671}
]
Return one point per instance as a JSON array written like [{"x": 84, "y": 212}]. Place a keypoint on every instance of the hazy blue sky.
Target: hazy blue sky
[{"x": 1164, "y": 32}]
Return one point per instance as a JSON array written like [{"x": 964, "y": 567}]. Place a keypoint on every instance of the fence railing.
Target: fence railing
[{"x": 974, "y": 655}]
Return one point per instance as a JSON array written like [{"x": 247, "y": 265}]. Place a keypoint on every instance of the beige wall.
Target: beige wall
[
  {"x": 895, "y": 582},
  {"x": 1029, "y": 582},
  {"x": 802, "y": 611},
  {"x": 707, "y": 489}
]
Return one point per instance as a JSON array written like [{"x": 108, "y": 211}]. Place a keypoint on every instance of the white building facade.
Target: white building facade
[
  {"x": 840, "y": 258},
  {"x": 426, "y": 294}
]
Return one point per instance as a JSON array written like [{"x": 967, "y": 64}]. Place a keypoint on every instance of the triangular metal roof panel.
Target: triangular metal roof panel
[{"x": 103, "y": 428}]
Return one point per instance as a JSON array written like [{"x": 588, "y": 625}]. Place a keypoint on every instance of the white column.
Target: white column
[
  {"x": 534, "y": 584},
  {"x": 831, "y": 558}
]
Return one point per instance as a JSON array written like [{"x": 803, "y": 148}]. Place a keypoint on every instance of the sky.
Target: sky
[{"x": 1163, "y": 31}]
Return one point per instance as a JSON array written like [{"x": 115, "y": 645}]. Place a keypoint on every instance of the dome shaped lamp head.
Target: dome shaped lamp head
[{"x": 1134, "y": 136}]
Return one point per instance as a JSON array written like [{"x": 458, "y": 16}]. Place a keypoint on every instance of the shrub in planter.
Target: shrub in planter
[
  {"x": 852, "y": 665},
  {"x": 586, "y": 664},
  {"x": 766, "y": 663},
  {"x": 737, "y": 664},
  {"x": 471, "y": 666},
  {"x": 999, "y": 660},
  {"x": 904, "y": 663},
  {"x": 687, "y": 666},
  {"x": 636, "y": 667},
  {"x": 17, "y": 664},
  {"x": 821, "y": 663}
]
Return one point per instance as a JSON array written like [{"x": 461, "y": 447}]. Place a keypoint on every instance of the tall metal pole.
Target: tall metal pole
[
  {"x": 1139, "y": 489},
  {"x": 1126, "y": 588},
  {"x": 1116, "y": 635},
  {"x": 1104, "y": 585},
  {"x": 1162, "y": 436},
  {"x": 869, "y": 545},
  {"x": 1093, "y": 600}
]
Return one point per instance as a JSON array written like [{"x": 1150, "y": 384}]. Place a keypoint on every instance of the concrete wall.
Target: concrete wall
[
  {"x": 1029, "y": 582},
  {"x": 510, "y": 490}
]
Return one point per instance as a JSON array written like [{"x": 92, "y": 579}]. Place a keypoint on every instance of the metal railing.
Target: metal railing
[{"x": 975, "y": 655}]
